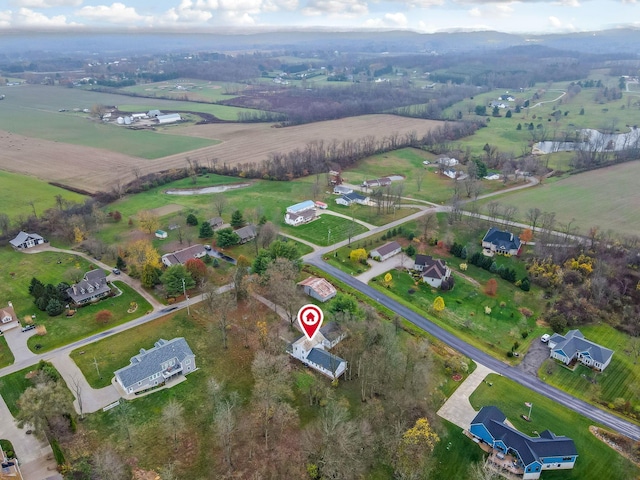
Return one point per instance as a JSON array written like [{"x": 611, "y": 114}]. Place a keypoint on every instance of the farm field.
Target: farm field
[
  {"x": 587, "y": 199},
  {"x": 546, "y": 414},
  {"x": 30, "y": 189},
  {"x": 192, "y": 90},
  {"x": 619, "y": 380},
  {"x": 67, "y": 163}
]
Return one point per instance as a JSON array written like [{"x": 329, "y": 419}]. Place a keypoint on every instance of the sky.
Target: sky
[{"x": 530, "y": 16}]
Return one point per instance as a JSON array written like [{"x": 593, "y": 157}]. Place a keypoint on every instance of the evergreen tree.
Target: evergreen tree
[
  {"x": 508, "y": 115},
  {"x": 525, "y": 285},
  {"x": 120, "y": 263},
  {"x": 237, "y": 221},
  {"x": 205, "y": 230},
  {"x": 463, "y": 253},
  {"x": 411, "y": 250},
  {"x": 54, "y": 307},
  {"x": 192, "y": 220}
]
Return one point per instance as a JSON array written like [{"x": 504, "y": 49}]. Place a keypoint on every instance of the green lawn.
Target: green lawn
[
  {"x": 596, "y": 460},
  {"x": 19, "y": 268},
  {"x": 619, "y": 380},
  {"x": 326, "y": 230},
  {"x": 192, "y": 89},
  {"x": 33, "y": 190},
  {"x": 62, "y": 330},
  {"x": 6, "y": 357},
  {"x": 465, "y": 305},
  {"x": 14, "y": 385}
]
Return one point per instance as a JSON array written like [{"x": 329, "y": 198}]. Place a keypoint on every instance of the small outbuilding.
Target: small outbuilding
[
  {"x": 386, "y": 251},
  {"x": 161, "y": 234},
  {"x": 318, "y": 288}
]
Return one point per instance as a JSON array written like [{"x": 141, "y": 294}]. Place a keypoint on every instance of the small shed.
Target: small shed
[{"x": 161, "y": 234}]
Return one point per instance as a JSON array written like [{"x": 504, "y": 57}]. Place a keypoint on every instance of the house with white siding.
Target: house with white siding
[
  {"x": 314, "y": 353},
  {"x": 385, "y": 251},
  {"x": 574, "y": 347}
]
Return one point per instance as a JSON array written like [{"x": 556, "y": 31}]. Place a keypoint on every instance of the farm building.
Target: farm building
[
  {"x": 154, "y": 113},
  {"x": 166, "y": 360},
  {"x": 181, "y": 256},
  {"x": 321, "y": 205},
  {"x": 26, "y": 240},
  {"x": 502, "y": 242},
  {"x": 532, "y": 454},
  {"x": 170, "y": 118},
  {"x": 301, "y": 207},
  {"x": 318, "y": 288},
  {"x": 448, "y": 162},
  {"x": 387, "y": 250}
]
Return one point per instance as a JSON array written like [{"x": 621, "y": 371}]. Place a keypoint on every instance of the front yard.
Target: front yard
[
  {"x": 6, "y": 357},
  {"x": 63, "y": 330}
]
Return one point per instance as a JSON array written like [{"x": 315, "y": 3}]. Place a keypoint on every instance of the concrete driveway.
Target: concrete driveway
[
  {"x": 35, "y": 457},
  {"x": 17, "y": 341},
  {"x": 92, "y": 399},
  {"x": 377, "y": 268}
]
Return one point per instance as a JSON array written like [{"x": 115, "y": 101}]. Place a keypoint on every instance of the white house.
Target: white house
[
  {"x": 298, "y": 218},
  {"x": 573, "y": 346},
  {"x": 448, "y": 162},
  {"x": 314, "y": 354},
  {"x": 434, "y": 272},
  {"x": 341, "y": 190},
  {"x": 8, "y": 319},
  {"x": 351, "y": 198},
  {"x": 385, "y": 251},
  {"x": 318, "y": 288},
  {"x": 151, "y": 368},
  {"x": 26, "y": 240}
]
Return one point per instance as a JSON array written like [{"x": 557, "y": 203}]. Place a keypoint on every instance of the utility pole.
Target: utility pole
[
  {"x": 184, "y": 291},
  {"x": 95, "y": 364}
]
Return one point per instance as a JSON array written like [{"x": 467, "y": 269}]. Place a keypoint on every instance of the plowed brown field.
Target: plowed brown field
[{"x": 95, "y": 169}]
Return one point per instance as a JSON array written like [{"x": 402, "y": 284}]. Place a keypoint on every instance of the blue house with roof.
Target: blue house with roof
[
  {"x": 502, "y": 242},
  {"x": 573, "y": 346},
  {"x": 534, "y": 454}
]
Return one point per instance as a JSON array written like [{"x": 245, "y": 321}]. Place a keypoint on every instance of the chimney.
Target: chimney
[
  {"x": 10, "y": 304},
  {"x": 511, "y": 239}
]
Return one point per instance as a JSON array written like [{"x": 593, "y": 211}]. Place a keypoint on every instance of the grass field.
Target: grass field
[
  {"x": 62, "y": 330},
  {"x": 596, "y": 460},
  {"x": 191, "y": 89},
  {"x": 587, "y": 199},
  {"x": 6, "y": 357},
  {"x": 13, "y": 385},
  {"x": 32, "y": 110},
  {"x": 619, "y": 380},
  {"x": 326, "y": 230},
  {"x": 33, "y": 190}
]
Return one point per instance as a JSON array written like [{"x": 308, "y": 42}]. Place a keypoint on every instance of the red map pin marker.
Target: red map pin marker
[{"x": 310, "y": 318}]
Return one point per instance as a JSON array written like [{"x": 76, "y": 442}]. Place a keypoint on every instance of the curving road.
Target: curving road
[{"x": 626, "y": 428}]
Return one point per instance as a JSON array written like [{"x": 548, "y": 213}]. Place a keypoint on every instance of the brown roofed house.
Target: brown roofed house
[
  {"x": 180, "y": 257},
  {"x": 8, "y": 319}
]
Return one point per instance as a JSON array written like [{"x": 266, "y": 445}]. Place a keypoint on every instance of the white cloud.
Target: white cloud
[
  {"x": 236, "y": 12},
  {"x": 26, "y": 17},
  {"x": 568, "y": 3},
  {"x": 46, "y": 3},
  {"x": 475, "y": 12},
  {"x": 555, "y": 22},
  {"x": 493, "y": 10},
  {"x": 115, "y": 13},
  {"x": 399, "y": 19},
  {"x": 346, "y": 8}
]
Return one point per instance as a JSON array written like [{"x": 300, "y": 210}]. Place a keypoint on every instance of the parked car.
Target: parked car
[
  {"x": 116, "y": 271},
  {"x": 26, "y": 328},
  {"x": 545, "y": 338},
  {"x": 207, "y": 248}
]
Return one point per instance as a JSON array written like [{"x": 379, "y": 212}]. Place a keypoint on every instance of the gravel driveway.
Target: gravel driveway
[{"x": 538, "y": 352}]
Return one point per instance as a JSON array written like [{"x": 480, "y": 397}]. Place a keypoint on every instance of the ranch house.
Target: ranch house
[
  {"x": 574, "y": 347},
  {"x": 180, "y": 257},
  {"x": 351, "y": 198},
  {"x": 531, "y": 454}
]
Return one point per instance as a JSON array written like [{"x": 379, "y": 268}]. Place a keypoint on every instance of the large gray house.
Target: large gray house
[
  {"x": 91, "y": 288},
  {"x": 153, "y": 367}
]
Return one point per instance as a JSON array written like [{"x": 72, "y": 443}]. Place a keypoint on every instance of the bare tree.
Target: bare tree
[
  {"x": 280, "y": 278},
  {"x": 225, "y": 425},
  {"x": 533, "y": 215},
  {"x": 77, "y": 391},
  {"x": 173, "y": 420},
  {"x": 419, "y": 176},
  {"x": 267, "y": 233},
  {"x": 108, "y": 465},
  {"x": 492, "y": 210},
  {"x": 4, "y": 223},
  {"x": 508, "y": 213},
  {"x": 220, "y": 203},
  {"x": 124, "y": 414},
  {"x": 220, "y": 305}
]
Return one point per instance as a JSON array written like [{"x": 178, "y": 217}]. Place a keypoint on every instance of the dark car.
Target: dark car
[
  {"x": 116, "y": 271},
  {"x": 26, "y": 328}
]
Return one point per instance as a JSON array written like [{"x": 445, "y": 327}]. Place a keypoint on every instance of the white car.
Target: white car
[{"x": 545, "y": 338}]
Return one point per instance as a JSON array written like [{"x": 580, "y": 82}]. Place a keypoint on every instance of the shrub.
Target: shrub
[
  {"x": 54, "y": 307},
  {"x": 104, "y": 316},
  {"x": 491, "y": 288},
  {"x": 487, "y": 310}
]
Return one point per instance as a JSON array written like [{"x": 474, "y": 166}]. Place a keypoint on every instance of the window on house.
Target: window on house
[{"x": 187, "y": 361}]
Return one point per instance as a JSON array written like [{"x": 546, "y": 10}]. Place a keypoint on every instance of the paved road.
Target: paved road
[{"x": 535, "y": 384}]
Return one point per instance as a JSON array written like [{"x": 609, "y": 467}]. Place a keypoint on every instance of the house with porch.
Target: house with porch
[
  {"x": 91, "y": 288},
  {"x": 180, "y": 257},
  {"x": 433, "y": 271},
  {"x": 318, "y": 288},
  {"x": 298, "y": 218},
  {"x": 8, "y": 319},
  {"x": 24, "y": 240},
  {"x": 385, "y": 251},
  {"x": 501, "y": 242},
  {"x": 314, "y": 353},
  {"x": 151, "y": 368},
  {"x": 247, "y": 233},
  {"x": 574, "y": 347},
  {"x": 532, "y": 454}
]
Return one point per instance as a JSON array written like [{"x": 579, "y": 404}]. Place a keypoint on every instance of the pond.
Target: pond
[
  {"x": 592, "y": 140},
  {"x": 206, "y": 190}
]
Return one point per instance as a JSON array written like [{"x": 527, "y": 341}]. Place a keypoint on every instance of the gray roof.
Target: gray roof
[
  {"x": 331, "y": 331},
  {"x": 96, "y": 275},
  {"x": 574, "y": 342},
  {"x": 325, "y": 359},
  {"x": 23, "y": 237},
  {"x": 148, "y": 362},
  {"x": 215, "y": 221},
  {"x": 93, "y": 284},
  {"x": 501, "y": 239},
  {"x": 387, "y": 248},
  {"x": 530, "y": 449},
  {"x": 247, "y": 233},
  {"x": 181, "y": 256}
]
